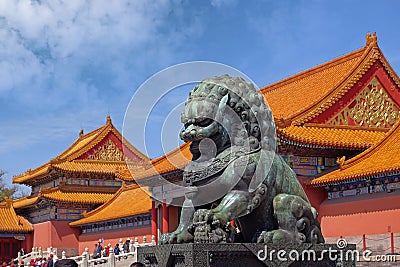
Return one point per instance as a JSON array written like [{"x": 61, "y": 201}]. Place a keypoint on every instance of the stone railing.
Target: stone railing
[
  {"x": 37, "y": 252},
  {"x": 86, "y": 259},
  {"x": 122, "y": 259}
]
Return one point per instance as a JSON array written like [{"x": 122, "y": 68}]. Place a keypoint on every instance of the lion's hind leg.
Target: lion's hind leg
[{"x": 297, "y": 222}]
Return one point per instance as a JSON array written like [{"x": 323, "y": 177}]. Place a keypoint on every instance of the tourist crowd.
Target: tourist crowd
[
  {"x": 35, "y": 262},
  {"x": 101, "y": 250}
]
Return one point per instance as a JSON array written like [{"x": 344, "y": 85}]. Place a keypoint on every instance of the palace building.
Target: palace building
[
  {"x": 337, "y": 126},
  {"x": 71, "y": 185},
  {"x": 14, "y": 230}
]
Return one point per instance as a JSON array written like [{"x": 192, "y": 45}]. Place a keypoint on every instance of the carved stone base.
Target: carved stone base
[{"x": 246, "y": 254}]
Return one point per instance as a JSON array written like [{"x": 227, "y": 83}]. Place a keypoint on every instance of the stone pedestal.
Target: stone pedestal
[{"x": 246, "y": 254}]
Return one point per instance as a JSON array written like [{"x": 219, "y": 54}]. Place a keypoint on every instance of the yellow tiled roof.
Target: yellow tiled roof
[
  {"x": 67, "y": 160},
  {"x": 344, "y": 137},
  {"x": 303, "y": 96},
  {"x": 305, "y": 89},
  {"x": 383, "y": 157},
  {"x": 175, "y": 160},
  {"x": 65, "y": 194},
  {"x": 130, "y": 200},
  {"x": 10, "y": 222},
  {"x": 91, "y": 166},
  {"x": 24, "y": 202},
  {"x": 74, "y": 196}
]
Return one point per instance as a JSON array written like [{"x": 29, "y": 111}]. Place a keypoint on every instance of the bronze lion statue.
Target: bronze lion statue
[{"x": 236, "y": 174}]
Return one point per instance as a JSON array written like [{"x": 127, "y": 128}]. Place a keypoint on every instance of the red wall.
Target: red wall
[
  {"x": 379, "y": 222},
  {"x": 27, "y": 244},
  {"x": 56, "y": 234},
  {"x": 88, "y": 240},
  {"x": 377, "y": 213},
  {"x": 315, "y": 195}
]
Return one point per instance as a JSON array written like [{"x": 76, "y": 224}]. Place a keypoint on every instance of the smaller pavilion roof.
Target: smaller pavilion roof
[
  {"x": 10, "y": 222},
  {"x": 382, "y": 158},
  {"x": 129, "y": 201},
  {"x": 73, "y": 158}
]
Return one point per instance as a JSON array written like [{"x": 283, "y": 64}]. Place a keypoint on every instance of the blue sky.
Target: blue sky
[{"x": 65, "y": 65}]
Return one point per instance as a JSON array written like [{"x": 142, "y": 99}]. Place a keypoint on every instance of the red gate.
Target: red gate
[{"x": 9, "y": 248}]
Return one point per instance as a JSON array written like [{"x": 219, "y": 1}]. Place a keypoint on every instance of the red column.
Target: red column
[
  {"x": 364, "y": 243},
  {"x": 154, "y": 220},
  {"x": 165, "y": 218},
  {"x": 392, "y": 242}
]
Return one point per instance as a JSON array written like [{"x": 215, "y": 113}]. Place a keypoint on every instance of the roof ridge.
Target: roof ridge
[
  {"x": 307, "y": 72},
  {"x": 80, "y": 139},
  {"x": 60, "y": 156},
  {"x": 172, "y": 152},
  {"x": 103, "y": 131},
  {"x": 341, "y": 87},
  {"x": 136, "y": 151}
]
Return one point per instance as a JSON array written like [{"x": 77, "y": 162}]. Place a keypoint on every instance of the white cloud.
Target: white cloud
[
  {"x": 65, "y": 60},
  {"x": 221, "y": 3},
  {"x": 53, "y": 48}
]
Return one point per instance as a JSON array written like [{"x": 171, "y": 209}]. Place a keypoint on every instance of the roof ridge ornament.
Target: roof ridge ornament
[
  {"x": 340, "y": 161},
  {"x": 81, "y": 133},
  {"x": 8, "y": 201},
  {"x": 371, "y": 39},
  {"x": 108, "y": 120}
]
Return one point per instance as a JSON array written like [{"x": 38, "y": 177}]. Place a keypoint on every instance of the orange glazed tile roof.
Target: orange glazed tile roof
[
  {"x": 24, "y": 202},
  {"x": 383, "y": 157},
  {"x": 340, "y": 137},
  {"x": 10, "y": 222},
  {"x": 175, "y": 160},
  {"x": 62, "y": 194},
  {"x": 307, "y": 94},
  {"x": 130, "y": 200},
  {"x": 92, "y": 166},
  {"x": 67, "y": 159},
  {"x": 75, "y": 197}
]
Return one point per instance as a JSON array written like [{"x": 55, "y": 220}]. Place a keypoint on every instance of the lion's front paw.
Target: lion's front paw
[
  {"x": 176, "y": 237},
  {"x": 202, "y": 216},
  {"x": 208, "y": 227},
  {"x": 164, "y": 239},
  {"x": 215, "y": 219},
  {"x": 276, "y": 237}
]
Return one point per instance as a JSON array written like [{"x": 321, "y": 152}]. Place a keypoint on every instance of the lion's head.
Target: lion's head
[{"x": 229, "y": 112}]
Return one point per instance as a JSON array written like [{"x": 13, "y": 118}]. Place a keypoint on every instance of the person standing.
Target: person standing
[
  {"x": 126, "y": 245},
  {"x": 50, "y": 261},
  {"x": 95, "y": 251},
  {"x": 99, "y": 250},
  {"x": 116, "y": 249}
]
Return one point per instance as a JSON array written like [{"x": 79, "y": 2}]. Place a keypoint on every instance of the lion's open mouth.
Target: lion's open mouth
[{"x": 209, "y": 149}]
